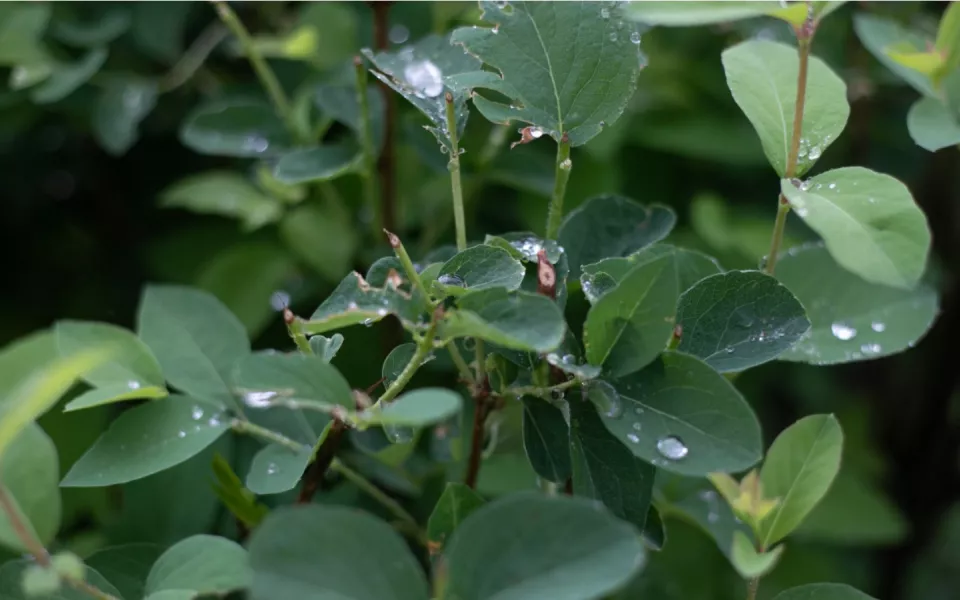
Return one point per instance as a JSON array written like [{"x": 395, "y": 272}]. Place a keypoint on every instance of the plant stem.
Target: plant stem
[
  {"x": 752, "y": 586},
  {"x": 543, "y": 392},
  {"x": 462, "y": 365},
  {"x": 296, "y": 332},
  {"x": 267, "y": 78},
  {"x": 377, "y": 494},
  {"x": 783, "y": 209},
  {"x": 476, "y": 440},
  {"x": 481, "y": 365},
  {"x": 407, "y": 264},
  {"x": 564, "y": 166},
  {"x": 246, "y": 427},
  {"x": 366, "y": 143},
  {"x": 324, "y": 455},
  {"x": 194, "y": 57},
  {"x": 424, "y": 347},
  {"x": 454, "y": 167}
]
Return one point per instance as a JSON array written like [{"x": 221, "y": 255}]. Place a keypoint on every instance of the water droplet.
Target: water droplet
[
  {"x": 399, "y": 34},
  {"x": 530, "y": 246},
  {"x": 133, "y": 384},
  {"x": 728, "y": 349},
  {"x": 633, "y": 438},
  {"x": 613, "y": 36},
  {"x": 878, "y": 326},
  {"x": 672, "y": 447},
  {"x": 181, "y": 434},
  {"x": 870, "y": 349},
  {"x": 196, "y": 413},
  {"x": 425, "y": 77},
  {"x": 279, "y": 300},
  {"x": 566, "y": 164},
  {"x": 569, "y": 359},
  {"x": 352, "y": 305},
  {"x": 842, "y": 331},
  {"x": 255, "y": 143},
  {"x": 814, "y": 153},
  {"x": 638, "y": 410},
  {"x": 605, "y": 397},
  {"x": 637, "y": 426},
  {"x": 605, "y": 13},
  {"x": 398, "y": 434},
  {"x": 635, "y": 37},
  {"x": 382, "y": 312},
  {"x": 259, "y": 399},
  {"x": 713, "y": 508},
  {"x": 450, "y": 279},
  {"x": 272, "y": 469},
  {"x": 536, "y": 132},
  {"x": 832, "y": 186},
  {"x": 214, "y": 421}
]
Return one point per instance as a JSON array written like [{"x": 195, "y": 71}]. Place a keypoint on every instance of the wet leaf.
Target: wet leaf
[
  {"x": 518, "y": 321},
  {"x": 419, "y": 408},
  {"x": 130, "y": 361},
  {"x": 546, "y": 440},
  {"x": 355, "y": 301},
  {"x": 479, "y": 268},
  {"x": 319, "y": 163},
  {"x": 116, "y": 392},
  {"x": 223, "y": 193},
  {"x": 240, "y": 128}
]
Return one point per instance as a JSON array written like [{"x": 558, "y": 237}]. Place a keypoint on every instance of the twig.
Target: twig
[
  {"x": 194, "y": 57},
  {"x": 377, "y": 494},
  {"x": 462, "y": 365},
  {"x": 386, "y": 162},
  {"x": 752, "y": 586},
  {"x": 564, "y": 166},
  {"x": 480, "y": 412},
  {"x": 424, "y": 347},
  {"x": 366, "y": 143},
  {"x": 454, "y": 166},
  {"x": 296, "y": 332},
  {"x": 407, "y": 264},
  {"x": 246, "y": 427},
  {"x": 325, "y": 455}
]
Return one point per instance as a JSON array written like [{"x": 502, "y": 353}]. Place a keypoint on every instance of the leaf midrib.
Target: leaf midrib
[{"x": 553, "y": 79}]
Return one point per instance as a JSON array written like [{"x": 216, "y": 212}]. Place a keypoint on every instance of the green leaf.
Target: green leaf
[
  {"x": 869, "y": 221},
  {"x": 265, "y": 379},
  {"x": 419, "y": 408},
  {"x": 480, "y": 268},
  {"x": 158, "y": 30},
  {"x": 122, "y": 105},
  {"x": 24, "y": 356},
  {"x": 823, "y": 591},
  {"x": 21, "y": 30},
  {"x": 689, "y": 267},
  {"x": 323, "y": 238},
  {"x": 12, "y": 574},
  {"x": 117, "y": 392},
  {"x": 654, "y": 533},
  {"x": 606, "y": 470},
  {"x": 750, "y": 562},
  {"x": 224, "y": 193},
  {"x": 456, "y": 503},
  {"x": 130, "y": 361},
  {"x": 148, "y": 439},
  {"x": 518, "y": 321},
  {"x": 319, "y": 163},
  {"x": 355, "y": 301},
  {"x": 65, "y": 79},
  {"x": 850, "y": 318},
  {"x": 854, "y": 512},
  {"x": 739, "y": 319},
  {"x": 240, "y": 128},
  {"x": 326, "y": 347},
  {"x": 878, "y": 33},
  {"x": 339, "y": 102},
  {"x": 948, "y": 35},
  {"x": 690, "y": 13},
  {"x": 194, "y": 337},
  {"x": 703, "y": 507},
  {"x": 418, "y": 72},
  {"x": 395, "y": 362},
  {"x": 276, "y": 469},
  {"x": 240, "y": 501},
  {"x": 96, "y": 27},
  {"x": 546, "y": 440},
  {"x": 126, "y": 566},
  {"x": 205, "y": 564},
  {"x": 799, "y": 468},
  {"x": 608, "y": 226},
  {"x": 762, "y": 76},
  {"x": 562, "y": 88},
  {"x": 931, "y": 125},
  {"x": 534, "y": 546},
  {"x": 326, "y": 552},
  {"x": 628, "y": 326},
  {"x": 692, "y": 421},
  {"x": 30, "y": 472},
  {"x": 526, "y": 246}
]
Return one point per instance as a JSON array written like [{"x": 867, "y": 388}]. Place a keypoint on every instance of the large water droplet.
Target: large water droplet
[
  {"x": 844, "y": 332},
  {"x": 133, "y": 384},
  {"x": 425, "y": 77},
  {"x": 814, "y": 153},
  {"x": 279, "y": 300},
  {"x": 196, "y": 413},
  {"x": 259, "y": 399},
  {"x": 605, "y": 397},
  {"x": 878, "y": 326},
  {"x": 529, "y": 247},
  {"x": 399, "y": 34},
  {"x": 672, "y": 447},
  {"x": 450, "y": 279},
  {"x": 398, "y": 434},
  {"x": 635, "y": 37}
]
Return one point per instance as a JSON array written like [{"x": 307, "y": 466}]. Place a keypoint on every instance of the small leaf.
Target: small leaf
[
  {"x": 326, "y": 347},
  {"x": 628, "y": 327},
  {"x": 204, "y": 564},
  {"x": 605, "y": 470},
  {"x": 580, "y": 550},
  {"x": 690, "y": 13},
  {"x": 418, "y": 72},
  {"x": 130, "y": 362},
  {"x": 126, "y": 566},
  {"x": 931, "y": 125},
  {"x": 325, "y": 552},
  {"x": 750, "y": 562},
  {"x": 65, "y": 79},
  {"x": 456, "y": 503},
  {"x": 395, "y": 362},
  {"x": 419, "y": 408},
  {"x": 110, "y": 394},
  {"x": 240, "y": 501},
  {"x": 12, "y": 575},
  {"x": 762, "y": 76},
  {"x": 148, "y": 439},
  {"x": 30, "y": 473},
  {"x": 608, "y": 226},
  {"x": 869, "y": 221},
  {"x": 518, "y": 321},
  {"x": 692, "y": 421},
  {"x": 480, "y": 268},
  {"x": 122, "y": 105},
  {"x": 194, "y": 337},
  {"x": 319, "y": 163},
  {"x": 240, "y": 128},
  {"x": 355, "y": 301},
  {"x": 823, "y": 591},
  {"x": 877, "y": 33},
  {"x": 223, "y": 193},
  {"x": 546, "y": 440},
  {"x": 268, "y": 378},
  {"x": 739, "y": 319},
  {"x": 850, "y": 318},
  {"x": 928, "y": 63},
  {"x": 555, "y": 85},
  {"x": 799, "y": 468}
]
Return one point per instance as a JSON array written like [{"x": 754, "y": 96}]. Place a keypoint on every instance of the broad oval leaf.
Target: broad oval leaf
[
  {"x": 605, "y": 470},
  {"x": 130, "y": 361},
  {"x": 850, "y": 318},
  {"x": 324, "y": 552},
  {"x": 762, "y": 76},
  {"x": 823, "y": 591},
  {"x": 355, "y": 301},
  {"x": 419, "y": 408},
  {"x": 610, "y": 226},
  {"x": 223, "y": 193},
  {"x": 682, "y": 416},
  {"x": 869, "y": 222},
  {"x": 265, "y": 379},
  {"x": 739, "y": 319},
  {"x": 931, "y": 125},
  {"x": 546, "y": 440},
  {"x": 194, "y": 337},
  {"x": 571, "y": 550},
  {"x": 689, "y": 267},
  {"x": 204, "y": 564},
  {"x": 456, "y": 503},
  {"x": 690, "y": 13},
  {"x": 417, "y": 72},
  {"x": 319, "y": 163},
  {"x": 877, "y": 34},
  {"x": 479, "y": 268},
  {"x": 239, "y": 128},
  {"x": 518, "y": 321},
  {"x": 799, "y": 468},
  {"x": 109, "y": 394},
  {"x": 276, "y": 469},
  {"x": 30, "y": 473},
  {"x": 147, "y": 439},
  {"x": 628, "y": 326}
]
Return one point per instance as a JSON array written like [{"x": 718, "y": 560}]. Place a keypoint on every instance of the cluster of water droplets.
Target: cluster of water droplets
[
  {"x": 712, "y": 501},
  {"x": 846, "y": 332},
  {"x": 201, "y": 419}
]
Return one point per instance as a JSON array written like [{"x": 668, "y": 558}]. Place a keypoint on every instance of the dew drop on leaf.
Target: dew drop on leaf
[
  {"x": 133, "y": 384},
  {"x": 842, "y": 331},
  {"x": 878, "y": 326},
  {"x": 425, "y": 77},
  {"x": 635, "y": 37},
  {"x": 398, "y": 434},
  {"x": 633, "y": 438},
  {"x": 272, "y": 469},
  {"x": 450, "y": 279},
  {"x": 672, "y": 447},
  {"x": 181, "y": 434},
  {"x": 259, "y": 399},
  {"x": 196, "y": 413}
]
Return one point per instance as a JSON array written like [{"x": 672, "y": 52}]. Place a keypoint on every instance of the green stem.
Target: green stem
[
  {"x": 783, "y": 209},
  {"x": 424, "y": 347},
  {"x": 377, "y": 494},
  {"x": 543, "y": 391},
  {"x": 269, "y": 80},
  {"x": 454, "y": 167},
  {"x": 366, "y": 140},
  {"x": 752, "y": 586},
  {"x": 194, "y": 57},
  {"x": 458, "y": 360},
  {"x": 268, "y": 435},
  {"x": 295, "y": 331},
  {"x": 481, "y": 365},
  {"x": 564, "y": 166},
  {"x": 407, "y": 264}
]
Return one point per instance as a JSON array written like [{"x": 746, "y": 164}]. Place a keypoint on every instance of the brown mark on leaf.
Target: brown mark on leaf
[
  {"x": 546, "y": 276},
  {"x": 527, "y": 135}
]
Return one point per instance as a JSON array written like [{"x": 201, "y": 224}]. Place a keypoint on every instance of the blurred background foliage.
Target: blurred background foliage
[{"x": 101, "y": 194}]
